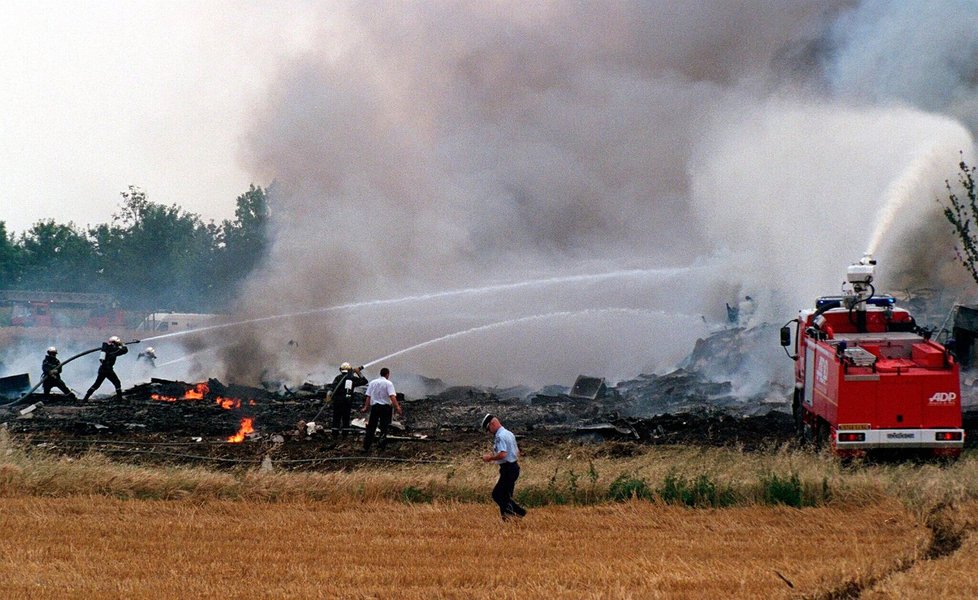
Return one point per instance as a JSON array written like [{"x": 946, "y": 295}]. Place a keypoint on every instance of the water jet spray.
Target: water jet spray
[
  {"x": 436, "y": 295},
  {"x": 901, "y": 190},
  {"x": 507, "y": 323}
]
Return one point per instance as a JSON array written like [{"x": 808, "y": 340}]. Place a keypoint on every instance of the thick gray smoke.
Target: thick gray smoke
[{"x": 752, "y": 147}]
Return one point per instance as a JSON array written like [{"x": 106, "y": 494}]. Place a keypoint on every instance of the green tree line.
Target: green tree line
[{"x": 151, "y": 256}]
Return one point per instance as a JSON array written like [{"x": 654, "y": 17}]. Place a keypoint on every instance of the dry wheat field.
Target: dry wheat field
[
  {"x": 693, "y": 523},
  {"x": 86, "y": 547}
]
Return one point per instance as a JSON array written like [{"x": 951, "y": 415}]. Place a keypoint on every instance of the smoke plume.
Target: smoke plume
[{"x": 748, "y": 147}]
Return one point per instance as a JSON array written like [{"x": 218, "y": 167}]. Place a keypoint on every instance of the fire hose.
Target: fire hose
[
  {"x": 329, "y": 396},
  {"x": 63, "y": 363}
]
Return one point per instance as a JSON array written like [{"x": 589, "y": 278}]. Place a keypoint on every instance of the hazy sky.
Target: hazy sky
[{"x": 99, "y": 95}]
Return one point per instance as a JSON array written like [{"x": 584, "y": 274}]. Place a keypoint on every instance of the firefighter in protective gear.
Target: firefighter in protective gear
[
  {"x": 342, "y": 396},
  {"x": 148, "y": 355},
  {"x": 51, "y": 372},
  {"x": 111, "y": 350}
]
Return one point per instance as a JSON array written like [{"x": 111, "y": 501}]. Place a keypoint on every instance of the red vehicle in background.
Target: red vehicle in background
[
  {"x": 30, "y": 308},
  {"x": 867, "y": 378}
]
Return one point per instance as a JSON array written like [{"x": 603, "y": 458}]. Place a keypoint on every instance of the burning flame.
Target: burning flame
[
  {"x": 198, "y": 392},
  {"x": 246, "y": 428},
  {"x": 228, "y": 403}
]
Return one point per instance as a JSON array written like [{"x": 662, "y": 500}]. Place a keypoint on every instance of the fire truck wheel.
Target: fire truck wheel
[
  {"x": 821, "y": 435},
  {"x": 799, "y": 416}
]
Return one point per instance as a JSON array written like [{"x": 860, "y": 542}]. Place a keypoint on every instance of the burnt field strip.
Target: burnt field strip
[{"x": 205, "y": 416}]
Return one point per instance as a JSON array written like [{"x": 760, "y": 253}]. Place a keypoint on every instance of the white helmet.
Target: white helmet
[
  {"x": 150, "y": 350},
  {"x": 346, "y": 367},
  {"x": 115, "y": 340},
  {"x": 52, "y": 350}
]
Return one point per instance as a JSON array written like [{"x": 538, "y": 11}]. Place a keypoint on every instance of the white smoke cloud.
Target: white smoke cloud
[
  {"x": 800, "y": 189},
  {"x": 423, "y": 147},
  {"x": 917, "y": 52}
]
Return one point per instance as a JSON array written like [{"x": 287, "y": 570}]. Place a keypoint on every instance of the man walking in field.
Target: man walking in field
[
  {"x": 381, "y": 401},
  {"x": 505, "y": 454}
]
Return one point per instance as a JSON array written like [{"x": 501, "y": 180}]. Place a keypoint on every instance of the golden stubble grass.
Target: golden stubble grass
[
  {"x": 954, "y": 575},
  {"x": 95, "y": 546},
  {"x": 95, "y": 527}
]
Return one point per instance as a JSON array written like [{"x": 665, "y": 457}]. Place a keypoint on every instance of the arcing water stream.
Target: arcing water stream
[
  {"x": 516, "y": 321},
  {"x": 905, "y": 188},
  {"x": 502, "y": 287},
  {"x": 459, "y": 312}
]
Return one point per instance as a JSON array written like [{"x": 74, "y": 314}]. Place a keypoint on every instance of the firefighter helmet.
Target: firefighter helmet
[
  {"x": 52, "y": 350},
  {"x": 346, "y": 367},
  {"x": 115, "y": 340}
]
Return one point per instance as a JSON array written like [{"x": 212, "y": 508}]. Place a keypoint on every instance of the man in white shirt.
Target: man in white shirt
[
  {"x": 381, "y": 401},
  {"x": 505, "y": 454}
]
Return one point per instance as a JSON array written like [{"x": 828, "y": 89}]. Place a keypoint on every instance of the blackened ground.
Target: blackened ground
[{"x": 153, "y": 423}]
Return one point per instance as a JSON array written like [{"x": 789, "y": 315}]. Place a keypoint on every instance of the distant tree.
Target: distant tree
[
  {"x": 150, "y": 256},
  {"x": 962, "y": 213},
  {"x": 244, "y": 240},
  {"x": 57, "y": 257},
  {"x": 10, "y": 259},
  {"x": 246, "y": 236},
  {"x": 154, "y": 256}
]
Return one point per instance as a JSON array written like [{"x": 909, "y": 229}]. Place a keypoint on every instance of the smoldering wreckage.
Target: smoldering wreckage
[{"x": 166, "y": 422}]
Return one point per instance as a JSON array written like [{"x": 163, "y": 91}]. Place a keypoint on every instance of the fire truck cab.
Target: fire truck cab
[{"x": 867, "y": 378}]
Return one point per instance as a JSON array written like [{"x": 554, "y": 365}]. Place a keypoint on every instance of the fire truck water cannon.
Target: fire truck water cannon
[
  {"x": 868, "y": 379},
  {"x": 860, "y": 277}
]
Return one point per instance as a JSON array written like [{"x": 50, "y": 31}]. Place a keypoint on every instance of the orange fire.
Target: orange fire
[
  {"x": 198, "y": 392},
  {"x": 246, "y": 428},
  {"x": 228, "y": 403}
]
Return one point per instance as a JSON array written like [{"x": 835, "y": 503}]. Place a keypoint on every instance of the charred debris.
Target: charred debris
[
  {"x": 679, "y": 407},
  {"x": 684, "y": 406}
]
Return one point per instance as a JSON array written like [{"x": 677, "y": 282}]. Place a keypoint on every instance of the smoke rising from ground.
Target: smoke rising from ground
[{"x": 424, "y": 147}]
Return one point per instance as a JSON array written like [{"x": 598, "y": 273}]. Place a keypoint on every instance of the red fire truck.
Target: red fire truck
[{"x": 868, "y": 378}]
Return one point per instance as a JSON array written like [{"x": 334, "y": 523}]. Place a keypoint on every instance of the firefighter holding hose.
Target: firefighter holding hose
[
  {"x": 51, "y": 374},
  {"x": 111, "y": 350},
  {"x": 342, "y": 396}
]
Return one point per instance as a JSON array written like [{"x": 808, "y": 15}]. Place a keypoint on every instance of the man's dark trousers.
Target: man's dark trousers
[
  {"x": 380, "y": 414},
  {"x": 341, "y": 414},
  {"x": 502, "y": 494}
]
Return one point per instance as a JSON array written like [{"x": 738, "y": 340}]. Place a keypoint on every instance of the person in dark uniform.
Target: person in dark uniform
[
  {"x": 148, "y": 356},
  {"x": 51, "y": 372},
  {"x": 111, "y": 350},
  {"x": 505, "y": 453},
  {"x": 342, "y": 396}
]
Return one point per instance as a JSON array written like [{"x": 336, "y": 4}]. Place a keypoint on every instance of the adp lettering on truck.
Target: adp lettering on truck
[{"x": 868, "y": 378}]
